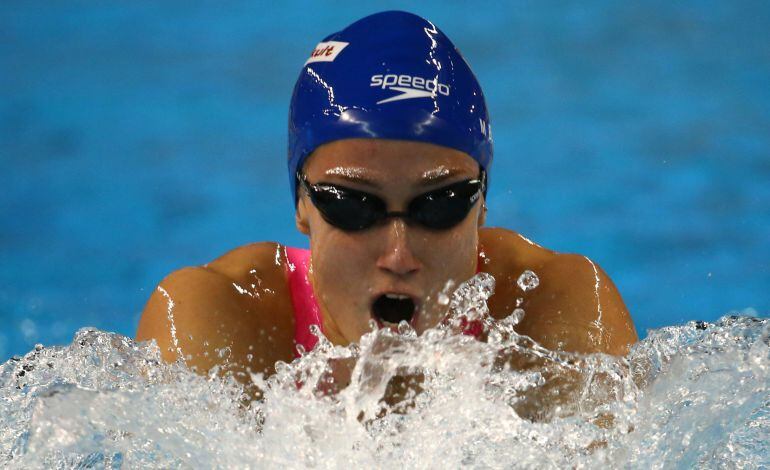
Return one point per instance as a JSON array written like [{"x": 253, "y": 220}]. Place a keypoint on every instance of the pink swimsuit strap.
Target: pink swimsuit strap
[
  {"x": 307, "y": 312},
  {"x": 306, "y": 309}
]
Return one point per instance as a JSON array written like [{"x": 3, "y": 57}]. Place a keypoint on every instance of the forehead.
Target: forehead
[{"x": 384, "y": 158}]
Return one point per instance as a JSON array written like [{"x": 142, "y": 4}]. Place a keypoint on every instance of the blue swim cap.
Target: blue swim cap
[{"x": 391, "y": 75}]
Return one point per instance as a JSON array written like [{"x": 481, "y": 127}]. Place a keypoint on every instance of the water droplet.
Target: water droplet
[
  {"x": 406, "y": 329},
  {"x": 528, "y": 281},
  {"x": 516, "y": 316}
]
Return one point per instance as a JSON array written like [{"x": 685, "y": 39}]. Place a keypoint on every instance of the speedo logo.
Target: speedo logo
[{"x": 409, "y": 86}]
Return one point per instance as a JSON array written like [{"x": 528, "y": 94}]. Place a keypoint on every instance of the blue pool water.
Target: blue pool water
[{"x": 139, "y": 137}]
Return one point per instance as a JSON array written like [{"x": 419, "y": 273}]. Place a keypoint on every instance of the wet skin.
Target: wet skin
[{"x": 241, "y": 300}]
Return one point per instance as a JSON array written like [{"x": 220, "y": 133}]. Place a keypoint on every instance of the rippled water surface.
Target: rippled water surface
[{"x": 686, "y": 396}]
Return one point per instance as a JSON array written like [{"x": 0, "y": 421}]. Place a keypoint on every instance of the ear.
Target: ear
[{"x": 301, "y": 216}]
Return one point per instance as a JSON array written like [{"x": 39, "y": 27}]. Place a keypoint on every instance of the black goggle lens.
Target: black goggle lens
[
  {"x": 445, "y": 207},
  {"x": 353, "y": 210},
  {"x": 346, "y": 208}
]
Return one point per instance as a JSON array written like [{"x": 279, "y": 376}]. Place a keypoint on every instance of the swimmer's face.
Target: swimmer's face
[{"x": 374, "y": 274}]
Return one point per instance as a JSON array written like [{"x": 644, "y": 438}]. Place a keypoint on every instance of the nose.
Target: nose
[{"x": 397, "y": 257}]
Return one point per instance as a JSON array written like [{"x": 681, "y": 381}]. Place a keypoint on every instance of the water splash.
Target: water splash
[
  {"x": 528, "y": 280},
  {"x": 692, "y": 395}
]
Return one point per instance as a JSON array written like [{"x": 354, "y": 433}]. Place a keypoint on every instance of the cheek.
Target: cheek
[
  {"x": 338, "y": 258},
  {"x": 453, "y": 254}
]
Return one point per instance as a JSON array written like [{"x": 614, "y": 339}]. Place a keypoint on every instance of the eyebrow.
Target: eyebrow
[
  {"x": 358, "y": 175},
  {"x": 353, "y": 175},
  {"x": 439, "y": 174}
]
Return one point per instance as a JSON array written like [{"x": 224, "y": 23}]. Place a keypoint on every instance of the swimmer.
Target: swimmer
[{"x": 390, "y": 153}]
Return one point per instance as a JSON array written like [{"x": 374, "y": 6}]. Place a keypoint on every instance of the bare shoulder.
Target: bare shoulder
[
  {"x": 571, "y": 304},
  {"x": 234, "y": 311},
  {"x": 505, "y": 247},
  {"x": 261, "y": 260},
  {"x": 507, "y": 255}
]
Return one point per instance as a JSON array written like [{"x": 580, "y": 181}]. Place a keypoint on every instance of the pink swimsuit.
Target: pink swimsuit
[{"x": 306, "y": 309}]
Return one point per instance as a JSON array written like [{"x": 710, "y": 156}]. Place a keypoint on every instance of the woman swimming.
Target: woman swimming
[{"x": 390, "y": 150}]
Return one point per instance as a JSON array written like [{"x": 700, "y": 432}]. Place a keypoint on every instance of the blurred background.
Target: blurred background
[{"x": 138, "y": 137}]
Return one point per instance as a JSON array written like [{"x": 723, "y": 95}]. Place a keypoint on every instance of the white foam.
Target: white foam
[{"x": 687, "y": 396}]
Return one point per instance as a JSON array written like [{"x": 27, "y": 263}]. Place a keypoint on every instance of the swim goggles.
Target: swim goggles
[{"x": 352, "y": 210}]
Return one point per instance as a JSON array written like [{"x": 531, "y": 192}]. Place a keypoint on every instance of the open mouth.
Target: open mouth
[{"x": 394, "y": 308}]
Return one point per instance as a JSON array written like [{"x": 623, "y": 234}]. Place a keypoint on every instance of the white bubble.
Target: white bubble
[{"x": 528, "y": 280}]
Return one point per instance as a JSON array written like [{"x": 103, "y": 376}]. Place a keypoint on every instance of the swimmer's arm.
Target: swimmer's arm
[
  {"x": 577, "y": 309},
  {"x": 202, "y": 316}
]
